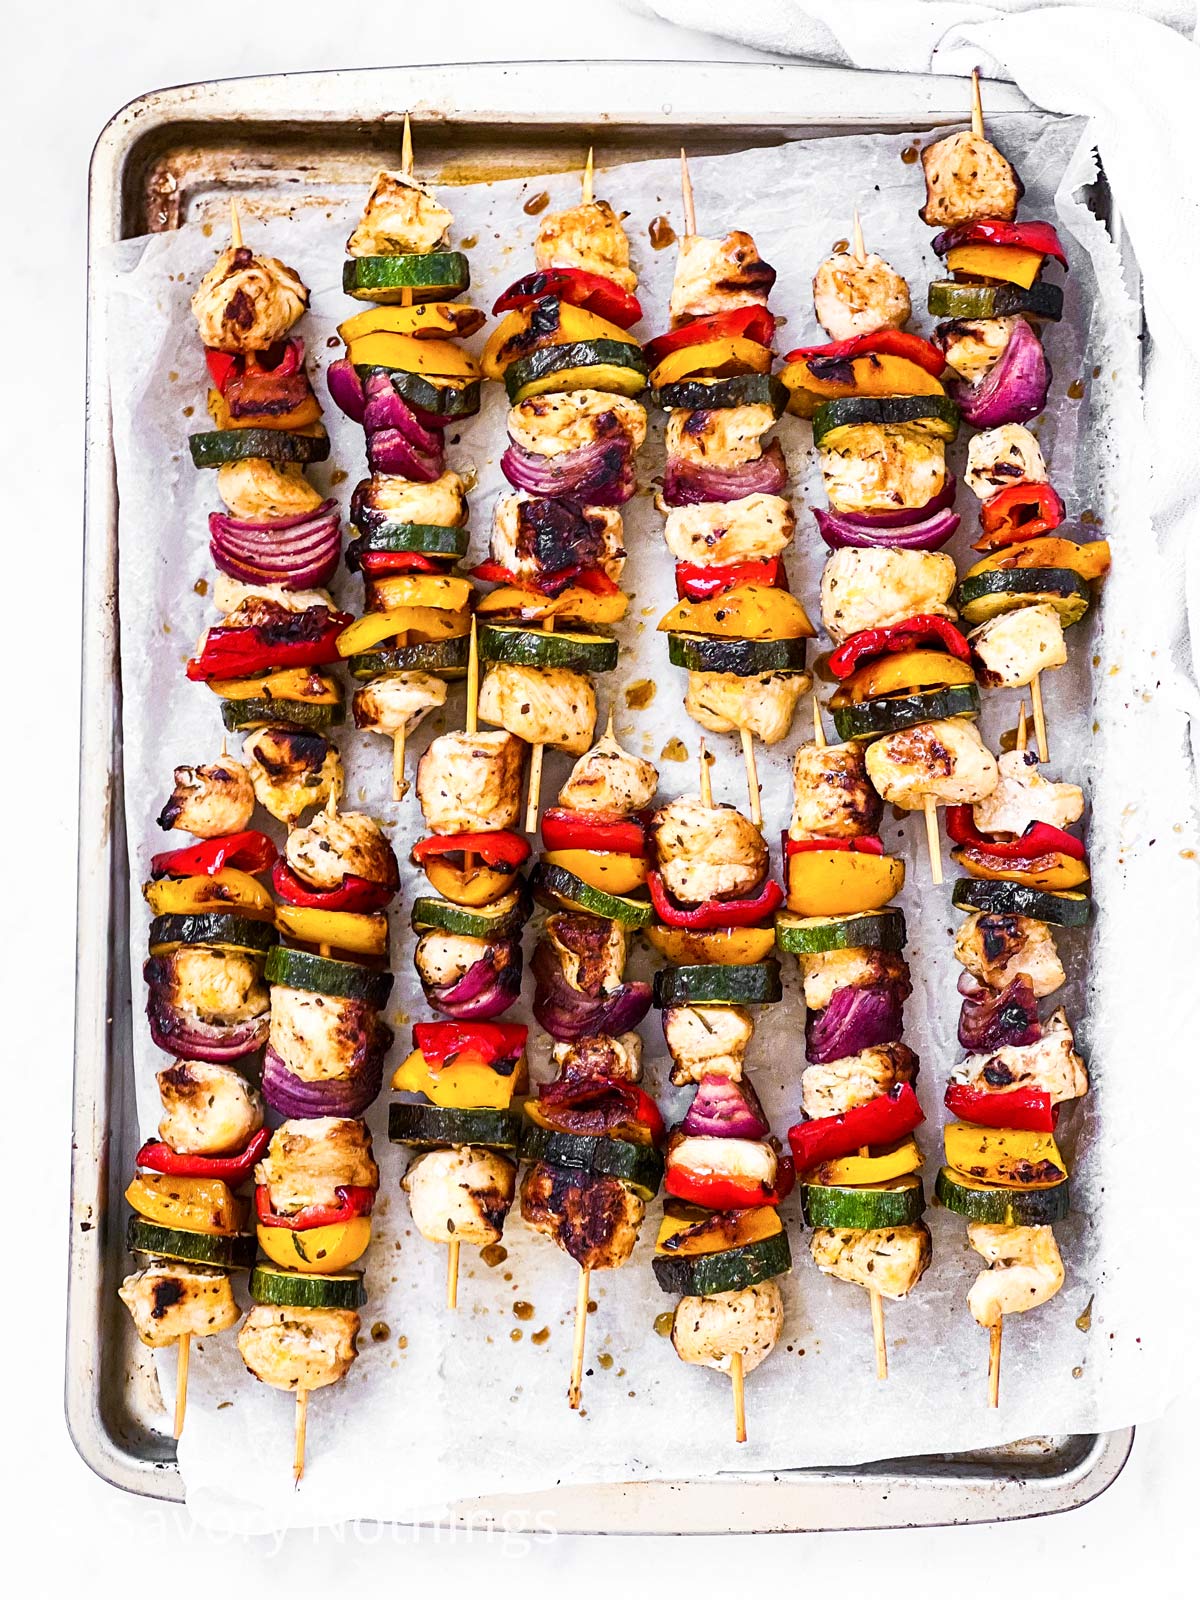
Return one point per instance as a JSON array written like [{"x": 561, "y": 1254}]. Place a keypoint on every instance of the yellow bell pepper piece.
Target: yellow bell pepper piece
[
  {"x": 357, "y": 932},
  {"x": 436, "y": 319},
  {"x": 715, "y": 358},
  {"x": 902, "y": 674},
  {"x": 1013, "y": 1158},
  {"x": 332, "y": 1248},
  {"x": 727, "y": 947},
  {"x": 421, "y": 589},
  {"x": 227, "y": 890},
  {"x": 376, "y": 626},
  {"x": 1055, "y": 870},
  {"x": 871, "y": 375},
  {"x": 432, "y": 358},
  {"x": 289, "y": 683},
  {"x": 1010, "y": 262},
  {"x": 513, "y": 338},
  {"x": 603, "y": 869},
  {"x": 751, "y": 611},
  {"x": 833, "y": 883},
  {"x": 198, "y": 1205},
  {"x": 572, "y": 605},
  {"x": 301, "y": 416},
  {"x": 477, "y": 887},
  {"x": 897, "y": 1162},
  {"x": 751, "y": 1226},
  {"x": 1090, "y": 561},
  {"x": 465, "y": 1083}
]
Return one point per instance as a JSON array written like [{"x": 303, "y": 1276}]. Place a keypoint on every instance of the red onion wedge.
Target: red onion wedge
[
  {"x": 187, "y": 1036},
  {"x": 346, "y": 389},
  {"x": 1014, "y": 389},
  {"x": 386, "y": 410},
  {"x": 568, "y": 1014},
  {"x": 291, "y": 1096},
  {"x": 726, "y": 1109},
  {"x": 989, "y": 1021},
  {"x": 487, "y": 988},
  {"x": 596, "y": 475},
  {"x": 904, "y": 516},
  {"x": 854, "y": 1020},
  {"x": 296, "y": 552},
  {"x": 687, "y": 485},
  {"x": 840, "y": 533}
]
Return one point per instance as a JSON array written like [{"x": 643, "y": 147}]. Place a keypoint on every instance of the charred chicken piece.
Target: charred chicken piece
[
  {"x": 875, "y": 588},
  {"x": 247, "y": 302},
  {"x": 322, "y": 1037},
  {"x": 832, "y": 795},
  {"x": 891, "y": 1260},
  {"x": 999, "y": 457},
  {"x": 600, "y": 1055},
  {"x": 996, "y": 948},
  {"x": 170, "y": 1299},
  {"x": 728, "y": 437},
  {"x": 550, "y": 540},
  {"x": 292, "y": 771},
  {"x": 853, "y": 296},
  {"x": 461, "y": 1195},
  {"x": 718, "y": 275},
  {"x": 709, "y": 1330},
  {"x": 707, "y": 852},
  {"x": 763, "y": 703},
  {"x": 309, "y": 1160},
  {"x": 397, "y": 702},
  {"x": 946, "y": 759},
  {"x": 826, "y": 973},
  {"x": 471, "y": 782},
  {"x": 592, "y": 1216},
  {"x": 831, "y": 1088},
  {"x": 214, "y": 985},
  {"x": 591, "y": 951},
  {"x": 967, "y": 179},
  {"x": 707, "y": 1039},
  {"x": 1014, "y": 647},
  {"x": 210, "y": 801},
  {"x": 542, "y": 705},
  {"x": 1049, "y": 1063},
  {"x": 608, "y": 779},
  {"x": 292, "y": 1348},
  {"x": 589, "y": 237},
  {"x": 1023, "y": 796},
  {"x": 973, "y": 345},
  {"x": 554, "y": 424},
  {"x": 401, "y": 217},
  {"x": 722, "y": 533},
  {"x": 340, "y": 844},
  {"x": 208, "y": 1110},
  {"x": 882, "y": 466},
  {"x": 441, "y": 503}
]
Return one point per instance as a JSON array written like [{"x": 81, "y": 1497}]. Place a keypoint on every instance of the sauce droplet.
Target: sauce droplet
[
  {"x": 522, "y": 1310},
  {"x": 910, "y": 154},
  {"x": 536, "y": 203},
  {"x": 673, "y": 750},
  {"x": 540, "y": 1337},
  {"x": 1075, "y": 390},
  {"x": 661, "y": 233},
  {"x": 380, "y": 1331},
  {"x": 604, "y": 1360},
  {"x": 469, "y": 242},
  {"x": 493, "y": 1254},
  {"x": 641, "y": 693},
  {"x": 664, "y": 1323},
  {"x": 517, "y": 1335},
  {"x": 840, "y": 247},
  {"x": 1084, "y": 1320},
  {"x": 200, "y": 587}
]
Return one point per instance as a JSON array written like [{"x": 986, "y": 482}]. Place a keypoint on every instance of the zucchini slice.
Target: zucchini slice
[
  {"x": 260, "y": 444},
  {"x": 745, "y": 658},
  {"x": 534, "y": 647},
  {"x": 1012, "y": 1208},
  {"x": 284, "y": 1286},
  {"x": 865, "y": 930},
  {"x": 1065, "y": 908},
  {"x": 243, "y": 716},
  {"x": 935, "y": 413},
  {"x": 897, "y": 1204},
  {"x": 587, "y": 364},
  {"x": 721, "y": 394},
  {"x": 556, "y": 887},
  {"x": 968, "y": 301},
  {"x": 222, "y": 928},
  {"x": 739, "y": 1268},
  {"x": 439, "y": 275},
  {"x": 989, "y": 594},
  {"x": 439, "y": 397},
  {"x": 345, "y": 980},
  {"x": 421, "y": 538},
  {"x": 500, "y": 920},
  {"x": 235, "y": 1251},
  {"x": 869, "y": 719},
  {"x": 445, "y": 658},
  {"x": 754, "y": 985},
  {"x": 638, "y": 1165},
  {"x": 428, "y": 1126}
]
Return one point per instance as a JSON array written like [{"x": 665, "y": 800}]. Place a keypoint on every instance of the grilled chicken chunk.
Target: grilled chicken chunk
[
  {"x": 1024, "y": 1270},
  {"x": 831, "y": 794},
  {"x": 972, "y": 346},
  {"x": 553, "y": 424},
  {"x": 589, "y": 237},
  {"x": 546, "y": 538},
  {"x": 401, "y": 217},
  {"x": 340, "y": 844},
  {"x": 874, "y": 588},
  {"x": 319, "y": 1037},
  {"x": 727, "y": 437},
  {"x": 967, "y": 179},
  {"x": 208, "y": 1109},
  {"x": 709, "y": 1330},
  {"x": 607, "y": 778},
  {"x": 721, "y": 533},
  {"x": 763, "y": 703},
  {"x": 461, "y": 1195},
  {"x": 309, "y": 1160},
  {"x": 882, "y": 466},
  {"x": 299, "y": 1348},
  {"x": 215, "y": 985},
  {"x": 230, "y": 598},
  {"x": 591, "y": 951},
  {"x": 446, "y": 957},
  {"x": 946, "y": 759},
  {"x": 397, "y": 702},
  {"x": 891, "y": 1260},
  {"x": 1014, "y": 647},
  {"x": 718, "y": 275},
  {"x": 168, "y": 1299},
  {"x": 292, "y": 771},
  {"x": 707, "y": 1039},
  {"x": 707, "y": 852},
  {"x": 831, "y": 970},
  {"x": 831, "y": 1088},
  {"x": 471, "y": 782},
  {"x": 542, "y": 705},
  {"x": 441, "y": 503},
  {"x": 997, "y": 948},
  {"x": 1023, "y": 796},
  {"x": 247, "y": 302},
  {"x": 592, "y": 1216},
  {"x": 712, "y": 1155},
  {"x": 255, "y": 490},
  {"x": 600, "y": 1056},
  {"x": 1050, "y": 1063},
  {"x": 999, "y": 457},
  {"x": 852, "y": 296},
  {"x": 210, "y": 801}
]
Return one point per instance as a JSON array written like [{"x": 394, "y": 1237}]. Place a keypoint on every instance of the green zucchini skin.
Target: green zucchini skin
[
  {"x": 745, "y": 658},
  {"x": 841, "y": 1206},
  {"x": 936, "y": 411},
  {"x": 755, "y": 984},
  {"x": 431, "y": 911},
  {"x": 811, "y": 936},
  {"x": 1020, "y": 1208},
  {"x": 344, "y": 980},
  {"x": 870, "y": 719},
  {"x": 555, "y": 887},
  {"x": 533, "y": 647},
  {"x": 236, "y": 1251},
  {"x": 969, "y": 301},
  {"x": 430, "y": 1127},
  {"x": 219, "y": 448},
  {"x": 722, "y": 394},
  {"x": 445, "y": 658},
  {"x": 284, "y": 1286},
  {"x": 223, "y": 928},
  {"x": 1065, "y": 909},
  {"x": 553, "y": 358},
  {"x": 738, "y": 1268},
  {"x": 420, "y": 538},
  {"x": 638, "y": 1165},
  {"x": 437, "y": 399},
  {"x": 439, "y": 275},
  {"x": 243, "y": 716},
  {"x": 988, "y": 594}
]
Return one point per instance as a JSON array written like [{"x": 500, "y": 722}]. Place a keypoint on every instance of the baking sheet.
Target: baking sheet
[{"x": 465, "y": 1407}]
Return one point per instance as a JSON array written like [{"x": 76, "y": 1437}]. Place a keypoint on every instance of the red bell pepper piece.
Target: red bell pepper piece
[
  {"x": 746, "y": 322},
  {"x": 601, "y": 830},
  {"x": 295, "y": 639},
  {"x": 600, "y": 1107},
  {"x": 1010, "y": 1108},
  {"x": 883, "y": 342},
  {"x": 1039, "y": 236},
  {"x": 1039, "y": 838},
  {"x": 221, "y": 367},
  {"x": 590, "y": 290},
  {"x": 498, "y": 849},
  {"x": 744, "y": 913},
  {"x": 380, "y": 562},
  {"x": 910, "y": 634},
  {"x": 720, "y": 1193},
  {"x": 1022, "y": 511},
  {"x": 590, "y": 578},
  {"x": 250, "y": 851},
  {"x": 353, "y": 1201},
  {"x": 352, "y": 894},
  {"x": 441, "y": 1042},
  {"x": 693, "y": 582},
  {"x": 881, "y": 1121},
  {"x": 158, "y": 1156},
  {"x": 867, "y": 844}
]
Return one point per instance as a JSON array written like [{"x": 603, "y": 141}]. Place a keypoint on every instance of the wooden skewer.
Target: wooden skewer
[
  {"x": 399, "y": 781},
  {"x": 689, "y": 199},
  {"x": 535, "y": 765},
  {"x": 1022, "y": 729},
  {"x": 235, "y": 225},
  {"x": 752, "y": 783},
  {"x": 878, "y": 1332},
  {"x": 301, "y": 1430},
  {"x": 589, "y": 171},
  {"x": 994, "y": 1364},
  {"x": 737, "y": 1373},
  {"x": 181, "y": 1381},
  {"x": 705, "y": 777},
  {"x": 452, "y": 1276},
  {"x": 934, "y": 839},
  {"x": 1039, "y": 718},
  {"x": 406, "y": 167},
  {"x": 857, "y": 244},
  {"x": 575, "y": 1388},
  {"x": 818, "y": 725},
  {"x": 976, "y": 105}
]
